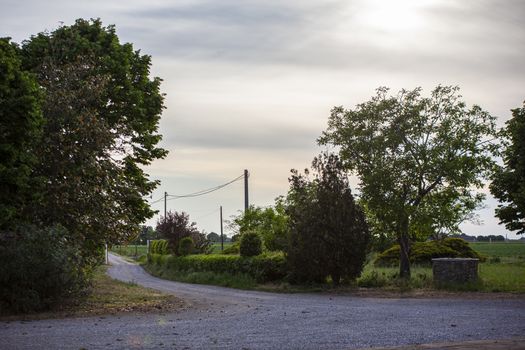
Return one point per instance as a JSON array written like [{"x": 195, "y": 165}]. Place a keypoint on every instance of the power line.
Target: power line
[{"x": 205, "y": 191}]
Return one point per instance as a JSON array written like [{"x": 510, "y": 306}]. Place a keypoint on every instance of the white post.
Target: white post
[
  {"x": 107, "y": 255},
  {"x": 147, "y": 246}
]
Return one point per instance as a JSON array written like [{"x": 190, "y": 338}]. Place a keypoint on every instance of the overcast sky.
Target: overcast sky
[{"x": 250, "y": 84}]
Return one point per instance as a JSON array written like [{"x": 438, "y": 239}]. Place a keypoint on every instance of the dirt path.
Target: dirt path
[{"x": 231, "y": 319}]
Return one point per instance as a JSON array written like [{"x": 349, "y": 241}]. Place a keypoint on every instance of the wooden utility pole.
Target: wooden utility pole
[
  {"x": 246, "y": 201},
  {"x": 222, "y": 234},
  {"x": 165, "y": 205}
]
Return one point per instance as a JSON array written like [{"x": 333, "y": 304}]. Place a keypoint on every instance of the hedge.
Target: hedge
[
  {"x": 263, "y": 268},
  {"x": 159, "y": 246},
  {"x": 422, "y": 253}
]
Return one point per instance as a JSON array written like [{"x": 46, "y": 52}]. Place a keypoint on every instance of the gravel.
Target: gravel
[{"x": 222, "y": 318}]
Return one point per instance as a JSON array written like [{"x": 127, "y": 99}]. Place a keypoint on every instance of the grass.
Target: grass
[
  {"x": 239, "y": 281},
  {"x": 109, "y": 296},
  {"x": 515, "y": 250},
  {"x": 216, "y": 247}
]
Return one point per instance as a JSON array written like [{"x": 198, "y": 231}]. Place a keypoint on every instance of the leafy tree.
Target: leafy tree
[
  {"x": 213, "y": 237},
  {"x": 508, "y": 183},
  {"x": 20, "y": 124},
  {"x": 176, "y": 226},
  {"x": 271, "y": 223},
  {"x": 101, "y": 115},
  {"x": 328, "y": 232},
  {"x": 415, "y": 157}
]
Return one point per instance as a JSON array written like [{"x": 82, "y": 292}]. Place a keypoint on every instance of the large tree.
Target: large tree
[
  {"x": 328, "y": 232},
  {"x": 508, "y": 183},
  {"x": 20, "y": 123},
  {"x": 417, "y": 158},
  {"x": 101, "y": 115}
]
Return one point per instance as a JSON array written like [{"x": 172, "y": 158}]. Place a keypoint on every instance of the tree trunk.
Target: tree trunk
[
  {"x": 404, "y": 251},
  {"x": 404, "y": 256}
]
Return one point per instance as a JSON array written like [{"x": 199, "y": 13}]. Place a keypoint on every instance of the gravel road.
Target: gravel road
[{"x": 222, "y": 318}]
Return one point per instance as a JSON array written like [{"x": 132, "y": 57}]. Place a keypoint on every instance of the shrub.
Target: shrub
[
  {"x": 263, "y": 268},
  {"x": 328, "y": 232},
  {"x": 251, "y": 244},
  {"x": 159, "y": 246},
  {"x": 39, "y": 267},
  {"x": 186, "y": 246},
  {"x": 422, "y": 253}
]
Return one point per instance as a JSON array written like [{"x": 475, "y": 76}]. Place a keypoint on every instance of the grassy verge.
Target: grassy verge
[
  {"x": 238, "y": 281},
  {"x": 109, "y": 296}
]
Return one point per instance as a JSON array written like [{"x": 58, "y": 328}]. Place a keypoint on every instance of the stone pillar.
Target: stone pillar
[{"x": 454, "y": 270}]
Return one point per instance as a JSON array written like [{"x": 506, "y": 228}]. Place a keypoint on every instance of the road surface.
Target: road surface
[{"x": 223, "y": 318}]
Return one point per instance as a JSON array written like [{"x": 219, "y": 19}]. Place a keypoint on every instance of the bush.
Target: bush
[
  {"x": 422, "y": 253},
  {"x": 159, "y": 246},
  {"x": 232, "y": 249},
  {"x": 251, "y": 244},
  {"x": 329, "y": 235},
  {"x": 39, "y": 267},
  {"x": 186, "y": 246},
  {"x": 263, "y": 268}
]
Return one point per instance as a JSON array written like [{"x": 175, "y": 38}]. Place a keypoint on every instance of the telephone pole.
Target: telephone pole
[
  {"x": 165, "y": 200},
  {"x": 222, "y": 234},
  {"x": 246, "y": 202}
]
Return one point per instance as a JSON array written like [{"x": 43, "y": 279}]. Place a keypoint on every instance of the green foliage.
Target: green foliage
[
  {"x": 176, "y": 226},
  {"x": 20, "y": 125},
  {"x": 508, "y": 182},
  {"x": 101, "y": 112},
  {"x": 234, "y": 248},
  {"x": 159, "y": 246},
  {"x": 186, "y": 246},
  {"x": 250, "y": 244},
  {"x": 263, "y": 268},
  {"x": 417, "y": 160},
  {"x": 213, "y": 237},
  {"x": 271, "y": 223},
  {"x": 39, "y": 267},
  {"x": 328, "y": 232},
  {"x": 422, "y": 253}
]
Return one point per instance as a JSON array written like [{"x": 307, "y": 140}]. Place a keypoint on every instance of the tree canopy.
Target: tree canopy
[
  {"x": 20, "y": 124},
  {"x": 508, "y": 183},
  {"x": 417, "y": 158},
  {"x": 101, "y": 112}
]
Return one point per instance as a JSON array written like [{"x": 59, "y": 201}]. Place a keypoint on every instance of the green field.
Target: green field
[
  {"x": 500, "y": 249},
  {"x": 216, "y": 247},
  {"x": 130, "y": 250}
]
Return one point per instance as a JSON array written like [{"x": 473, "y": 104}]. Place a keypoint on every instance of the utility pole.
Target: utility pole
[
  {"x": 165, "y": 200},
  {"x": 246, "y": 202},
  {"x": 222, "y": 234}
]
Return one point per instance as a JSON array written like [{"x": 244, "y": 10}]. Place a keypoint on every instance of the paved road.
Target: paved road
[{"x": 230, "y": 319}]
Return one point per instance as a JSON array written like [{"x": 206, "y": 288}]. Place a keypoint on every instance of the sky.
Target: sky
[{"x": 249, "y": 84}]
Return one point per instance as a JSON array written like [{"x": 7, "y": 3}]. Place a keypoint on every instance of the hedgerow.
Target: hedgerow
[{"x": 263, "y": 268}]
